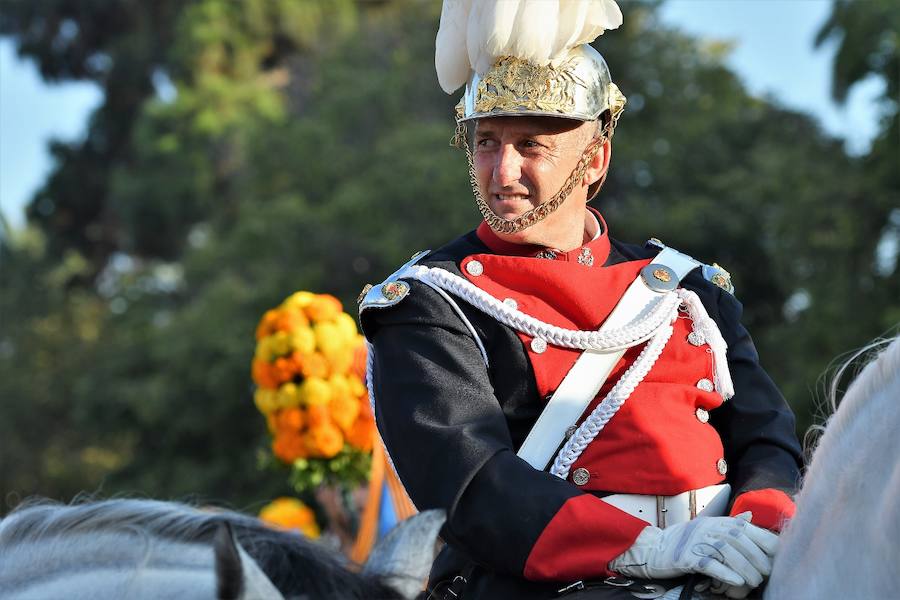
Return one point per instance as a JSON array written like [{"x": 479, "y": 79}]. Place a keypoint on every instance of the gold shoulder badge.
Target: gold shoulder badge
[
  {"x": 719, "y": 276},
  {"x": 394, "y": 290},
  {"x": 383, "y": 295}
]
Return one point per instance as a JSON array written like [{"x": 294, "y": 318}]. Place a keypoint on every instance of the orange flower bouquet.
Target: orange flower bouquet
[{"x": 309, "y": 368}]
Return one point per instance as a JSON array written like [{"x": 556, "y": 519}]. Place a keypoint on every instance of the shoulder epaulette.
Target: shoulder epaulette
[
  {"x": 712, "y": 273},
  {"x": 391, "y": 291}
]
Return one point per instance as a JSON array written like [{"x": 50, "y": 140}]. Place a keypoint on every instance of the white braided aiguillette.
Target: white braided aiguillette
[{"x": 641, "y": 329}]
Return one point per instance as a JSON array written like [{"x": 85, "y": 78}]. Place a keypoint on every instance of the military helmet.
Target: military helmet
[{"x": 578, "y": 86}]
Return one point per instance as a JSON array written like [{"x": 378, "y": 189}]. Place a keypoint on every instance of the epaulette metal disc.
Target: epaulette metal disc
[{"x": 659, "y": 278}]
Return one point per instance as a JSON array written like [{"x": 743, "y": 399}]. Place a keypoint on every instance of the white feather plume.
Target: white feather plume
[
  {"x": 452, "y": 63},
  {"x": 474, "y": 33}
]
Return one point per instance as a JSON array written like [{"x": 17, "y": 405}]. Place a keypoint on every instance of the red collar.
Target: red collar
[{"x": 598, "y": 247}]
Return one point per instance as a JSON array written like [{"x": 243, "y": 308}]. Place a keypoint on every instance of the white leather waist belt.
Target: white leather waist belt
[{"x": 661, "y": 511}]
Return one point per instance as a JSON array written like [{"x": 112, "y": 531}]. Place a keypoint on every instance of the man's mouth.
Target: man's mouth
[{"x": 512, "y": 198}]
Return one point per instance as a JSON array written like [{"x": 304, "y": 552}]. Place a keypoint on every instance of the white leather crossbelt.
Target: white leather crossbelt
[{"x": 661, "y": 511}]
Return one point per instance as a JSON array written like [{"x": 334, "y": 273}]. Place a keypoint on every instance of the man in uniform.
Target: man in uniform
[{"x": 679, "y": 459}]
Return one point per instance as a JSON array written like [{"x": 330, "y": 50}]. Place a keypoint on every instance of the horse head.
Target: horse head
[{"x": 844, "y": 541}]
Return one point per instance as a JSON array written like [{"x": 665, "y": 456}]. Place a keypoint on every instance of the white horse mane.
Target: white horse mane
[
  {"x": 843, "y": 542},
  {"x": 129, "y": 548}
]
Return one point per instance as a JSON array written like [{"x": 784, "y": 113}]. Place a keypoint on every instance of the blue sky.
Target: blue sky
[{"x": 773, "y": 54}]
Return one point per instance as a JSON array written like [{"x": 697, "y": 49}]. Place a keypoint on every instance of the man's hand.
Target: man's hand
[{"x": 727, "y": 549}]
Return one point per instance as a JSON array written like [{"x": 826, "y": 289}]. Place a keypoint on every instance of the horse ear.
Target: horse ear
[
  {"x": 238, "y": 577},
  {"x": 399, "y": 559},
  {"x": 229, "y": 573}
]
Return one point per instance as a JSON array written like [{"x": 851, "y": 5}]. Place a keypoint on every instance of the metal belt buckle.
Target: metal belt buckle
[
  {"x": 572, "y": 587},
  {"x": 618, "y": 581},
  {"x": 635, "y": 588}
]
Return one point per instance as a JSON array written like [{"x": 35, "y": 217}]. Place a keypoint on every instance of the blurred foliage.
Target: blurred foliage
[{"x": 247, "y": 150}]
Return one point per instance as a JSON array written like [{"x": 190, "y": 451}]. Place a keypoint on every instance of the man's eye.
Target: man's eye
[
  {"x": 484, "y": 143},
  {"x": 530, "y": 144}
]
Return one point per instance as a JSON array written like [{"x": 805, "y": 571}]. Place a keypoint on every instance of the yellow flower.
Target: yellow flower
[
  {"x": 264, "y": 350},
  {"x": 340, "y": 386},
  {"x": 315, "y": 391},
  {"x": 357, "y": 387},
  {"x": 342, "y": 361},
  {"x": 265, "y": 400},
  {"x": 328, "y": 337},
  {"x": 287, "y": 396},
  {"x": 332, "y": 344},
  {"x": 324, "y": 307},
  {"x": 344, "y": 410},
  {"x": 347, "y": 327},
  {"x": 299, "y": 300},
  {"x": 280, "y": 343},
  {"x": 303, "y": 340},
  {"x": 291, "y": 513}
]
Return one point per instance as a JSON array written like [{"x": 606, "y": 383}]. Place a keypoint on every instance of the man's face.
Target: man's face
[{"x": 522, "y": 162}]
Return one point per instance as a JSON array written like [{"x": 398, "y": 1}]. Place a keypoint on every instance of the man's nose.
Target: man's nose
[{"x": 508, "y": 169}]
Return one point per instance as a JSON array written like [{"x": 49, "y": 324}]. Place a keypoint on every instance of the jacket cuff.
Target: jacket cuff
[
  {"x": 771, "y": 508},
  {"x": 581, "y": 540}
]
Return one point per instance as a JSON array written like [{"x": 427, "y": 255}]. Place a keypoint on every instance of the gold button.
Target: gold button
[
  {"x": 580, "y": 476},
  {"x": 538, "y": 345},
  {"x": 474, "y": 268},
  {"x": 706, "y": 385},
  {"x": 721, "y": 466},
  {"x": 702, "y": 415}
]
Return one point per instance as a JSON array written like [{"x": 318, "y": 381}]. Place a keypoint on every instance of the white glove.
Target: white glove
[
  {"x": 728, "y": 549},
  {"x": 730, "y": 591}
]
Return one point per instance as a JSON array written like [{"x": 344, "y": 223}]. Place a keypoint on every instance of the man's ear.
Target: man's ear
[{"x": 599, "y": 164}]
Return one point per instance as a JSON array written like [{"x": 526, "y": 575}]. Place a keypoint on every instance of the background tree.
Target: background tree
[{"x": 247, "y": 150}]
